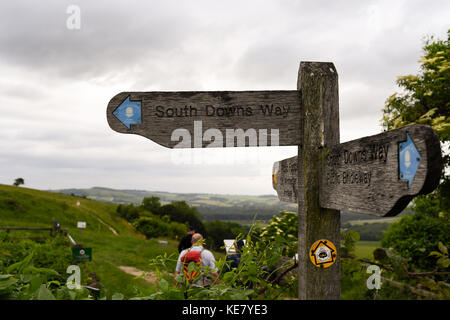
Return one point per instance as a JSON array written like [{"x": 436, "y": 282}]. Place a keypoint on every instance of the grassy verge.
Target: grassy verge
[
  {"x": 364, "y": 249},
  {"x": 23, "y": 207}
]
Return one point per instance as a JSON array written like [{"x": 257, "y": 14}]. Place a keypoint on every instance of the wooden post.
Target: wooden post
[
  {"x": 318, "y": 84},
  {"x": 55, "y": 228}
]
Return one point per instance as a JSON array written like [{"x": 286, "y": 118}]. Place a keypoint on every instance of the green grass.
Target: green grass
[
  {"x": 364, "y": 249},
  {"x": 23, "y": 207},
  {"x": 380, "y": 220}
]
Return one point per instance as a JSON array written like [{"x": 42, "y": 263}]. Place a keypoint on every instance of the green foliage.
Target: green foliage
[
  {"x": 218, "y": 230},
  {"x": 442, "y": 256},
  {"x": 154, "y": 220},
  {"x": 401, "y": 278},
  {"x": 353, "y": 274},
  {"x": 35, "y": 271},
  {"x": 129, "y": 212},
  {"x": 176, "y": 214},
  {"x": 426, "y": 100},
  {"x": 154, "y": 227},
  {"x": 23, "y": 281},
  {"x": 435, "y": 204},
  {"x": 255, "y": 277},
  {"x": 18, "y": 182},
  {"x": 415, "y": 283},
  {"x": 348, "y": 243},
  {"x": 427, "y": 97},
  {"x": 416, "y": 235},
  {"x": 284, "y": 230},
  {"x": 151, "y": 204},
  {"x": 54, "y": 253},
  {"x": 24, "y": 207},
  {"x": 180, "y": 211},
  {"x": 368, "y": 231}
]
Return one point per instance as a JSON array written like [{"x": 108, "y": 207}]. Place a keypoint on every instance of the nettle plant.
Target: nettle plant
[{"x": 23, "y": 281}]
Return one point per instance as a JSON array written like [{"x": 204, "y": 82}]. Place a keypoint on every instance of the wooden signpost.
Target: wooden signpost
[
  {"x": 209, "y": 119},
  {"x": 376, "y": 175},
  {"x": 371, "y": 175}
]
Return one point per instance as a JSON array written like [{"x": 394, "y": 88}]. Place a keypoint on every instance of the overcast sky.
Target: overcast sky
[{"x": 56, "y": 82}]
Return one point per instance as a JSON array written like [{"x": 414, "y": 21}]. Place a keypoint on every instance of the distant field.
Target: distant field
[
  {"x": 241, "y": 208},
  {"x": 364, "y": 249},
  {"x": 380, "y": 220}
]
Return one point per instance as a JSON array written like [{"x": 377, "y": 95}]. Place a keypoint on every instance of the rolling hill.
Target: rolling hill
[
  {"x": 113, "y": 241},
  {"x": 239, "y": 208}
]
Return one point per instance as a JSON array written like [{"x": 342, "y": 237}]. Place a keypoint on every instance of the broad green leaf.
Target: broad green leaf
[
  {"x": 442, "y": 248},
  {"x": 443, "y": 262},
  {"x": 117, "y": 296},
  {"x": 19, "y": 266},
  {"x": 44, "y": 271},
  {"x": 72, "y": 294},
  {"x": 35, "y": 283},
  {"x": 179, "y": 278},
  {"x": 5, "y": 284},
  {"x": 435, "y": 253},
  {"x": 164, "y": 285},
  {"x": 44, "y": 294}
]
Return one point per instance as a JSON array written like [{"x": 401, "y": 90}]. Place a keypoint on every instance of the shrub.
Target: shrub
[
  {"x": 414, "y": 236},
  {"x": 283, "y": 229},
  {"x": 152, "y": 227},
  {"x": 54, "y": 253},
  {"x": 218, "y": 230},
  {"x": 178, "y": 229}
]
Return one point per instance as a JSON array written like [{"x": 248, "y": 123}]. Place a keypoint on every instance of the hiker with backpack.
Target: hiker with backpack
[
  {"x": 186, "y": 241},
  {"x": 203, "y": 260}
]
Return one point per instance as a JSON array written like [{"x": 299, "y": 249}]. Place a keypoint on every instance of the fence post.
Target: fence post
[{"x": 55, "y": 228}]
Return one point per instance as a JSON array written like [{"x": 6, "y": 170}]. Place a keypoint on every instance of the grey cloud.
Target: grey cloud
[
  {"x": 112, "y": 37},
  {"x": 55, "y": 83}
]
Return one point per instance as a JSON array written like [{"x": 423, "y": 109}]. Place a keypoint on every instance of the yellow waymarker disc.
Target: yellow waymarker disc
[
  {"x": 323, "y": 253},
  {"x": 276, "y": 167}
]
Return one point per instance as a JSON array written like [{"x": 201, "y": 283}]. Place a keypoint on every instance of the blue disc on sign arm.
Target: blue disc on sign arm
[
  {"x": 129, "y": 112},
  {"x": 409, "y": 160}
]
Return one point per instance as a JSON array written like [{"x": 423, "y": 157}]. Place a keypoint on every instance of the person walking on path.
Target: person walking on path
[
  {"x": 204, "y": 259},
  {"x": 185, "y": 242}
]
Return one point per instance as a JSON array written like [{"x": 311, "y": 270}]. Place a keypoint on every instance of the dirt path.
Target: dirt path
[
  {"x": 109, "y": 227},
  {"x": 149, "y": 276}
]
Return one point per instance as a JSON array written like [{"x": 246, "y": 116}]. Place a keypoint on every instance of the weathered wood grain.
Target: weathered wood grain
[
  {"x": 318, "y": 83},
  {"x": 362, "y": 175},
  {"x": 164, "y": 112},
  {"x": 285, "y": 179}
]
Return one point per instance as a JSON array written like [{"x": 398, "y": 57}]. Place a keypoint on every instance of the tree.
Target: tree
[
  {"x": 219, "y": 230},
  {"x": 182, "y": 212},
  {"x": 425, "y": 100},
  {"x": 151, "y": 204},
  {"x": 18, "y": 182}
]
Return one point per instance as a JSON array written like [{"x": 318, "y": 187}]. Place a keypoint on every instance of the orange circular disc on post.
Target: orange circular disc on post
[{"x": 323, "y": 253}]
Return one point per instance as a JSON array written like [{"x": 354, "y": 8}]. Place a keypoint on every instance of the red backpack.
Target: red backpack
[{"x": 186, "y": 259}]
